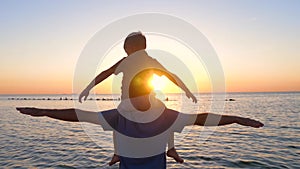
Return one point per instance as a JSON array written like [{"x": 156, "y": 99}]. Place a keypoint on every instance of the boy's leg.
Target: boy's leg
[
  {"x": 115, "y": 158},
  {"x": 172, "y": 151},
  {"x": 171, "y": 141}
]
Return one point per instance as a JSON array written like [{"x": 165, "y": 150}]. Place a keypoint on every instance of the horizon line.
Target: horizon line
[{"x": 291, "y": 91}]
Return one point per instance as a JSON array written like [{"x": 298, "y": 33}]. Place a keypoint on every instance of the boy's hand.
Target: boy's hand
[
  {"x": 190, "y": 95},
  {"x": 85, "y": 94}
]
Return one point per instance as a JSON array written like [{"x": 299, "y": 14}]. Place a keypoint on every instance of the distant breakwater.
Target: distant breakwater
[
  {"x": 63, "y": 98},
  {"x": 90, "y": 99}
]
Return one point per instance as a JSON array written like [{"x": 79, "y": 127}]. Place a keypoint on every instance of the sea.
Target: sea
[{"x": 42, "y": 142}]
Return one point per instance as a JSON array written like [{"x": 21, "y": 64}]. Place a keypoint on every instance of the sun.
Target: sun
[{"x": 158, "y": 83}]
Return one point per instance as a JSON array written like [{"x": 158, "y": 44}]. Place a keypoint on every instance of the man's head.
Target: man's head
[{"x": 134, "y": 42}]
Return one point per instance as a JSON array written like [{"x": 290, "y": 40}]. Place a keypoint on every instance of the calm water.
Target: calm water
[{"x": 28, "y": 142}]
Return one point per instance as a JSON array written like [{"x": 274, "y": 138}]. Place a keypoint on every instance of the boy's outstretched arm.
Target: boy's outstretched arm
[
  {"x": 98, "y": 79},
  {"x": 176, "y": 80},
  {"x": 210, "y": 119}
]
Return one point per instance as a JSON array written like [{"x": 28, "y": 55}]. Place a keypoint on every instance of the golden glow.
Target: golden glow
[{"x": 158, "y": 83}]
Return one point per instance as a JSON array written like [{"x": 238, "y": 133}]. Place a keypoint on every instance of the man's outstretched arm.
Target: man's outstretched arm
[
  {"x": 210, "y": 119},
  {"x": 62, "y": 114}
]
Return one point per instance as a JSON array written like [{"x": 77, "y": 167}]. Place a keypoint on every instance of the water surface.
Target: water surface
[{"x": 28, "y": 142}]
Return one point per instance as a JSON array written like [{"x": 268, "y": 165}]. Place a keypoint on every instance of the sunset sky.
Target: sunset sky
[{"x": 257, "y": 42}]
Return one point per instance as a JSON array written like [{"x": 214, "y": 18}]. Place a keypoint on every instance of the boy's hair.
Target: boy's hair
[{"x": 136, "y": 39}]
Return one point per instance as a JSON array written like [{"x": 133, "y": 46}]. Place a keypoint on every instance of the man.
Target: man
[{"x": 156, "y": 161}]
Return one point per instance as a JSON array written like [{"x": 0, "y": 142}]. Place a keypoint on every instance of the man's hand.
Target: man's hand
[
  {"x": 84, "y": 94},
  {"x": 31, "y": 111},
  {"x": 190, "y": 95},
  {"x": 249, "y": 122}
]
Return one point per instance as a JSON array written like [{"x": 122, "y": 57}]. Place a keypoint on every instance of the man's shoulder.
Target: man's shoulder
[{"x": 109, "y": 119}]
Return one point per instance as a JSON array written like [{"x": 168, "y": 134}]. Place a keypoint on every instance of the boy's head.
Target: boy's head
[{"x": 134, "y": 42}]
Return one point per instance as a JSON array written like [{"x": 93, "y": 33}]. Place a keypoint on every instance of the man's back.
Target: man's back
[
  {"x": 135, "y": 151},
  {"x": 154, "y": 162}
]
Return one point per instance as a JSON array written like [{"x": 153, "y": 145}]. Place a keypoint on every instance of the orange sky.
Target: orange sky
[
  {"x": 56, "y": 77},
  {"x": 257, "y": 44},
  {"x": 56, "y": 85}
]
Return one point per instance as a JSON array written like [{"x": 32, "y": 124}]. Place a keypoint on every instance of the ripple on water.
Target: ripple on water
[{"x": 247, "y": 164}]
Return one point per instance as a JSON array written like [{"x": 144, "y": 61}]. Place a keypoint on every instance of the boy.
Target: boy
[{"x": 138, "y": 68}]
